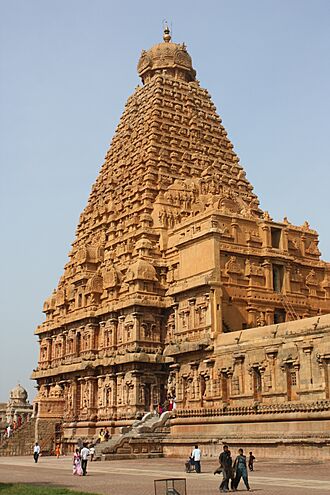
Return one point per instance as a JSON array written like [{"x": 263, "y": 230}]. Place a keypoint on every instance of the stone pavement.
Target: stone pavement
[{"x": 136, "y": 477}]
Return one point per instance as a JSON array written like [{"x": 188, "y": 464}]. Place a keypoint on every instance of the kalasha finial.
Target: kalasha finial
[{"x": 166, "y": 35}]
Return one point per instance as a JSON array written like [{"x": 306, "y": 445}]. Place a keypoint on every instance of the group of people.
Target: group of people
[
  {"x": 168, "y": 405},
  {"x": 233, "y": 472},
  {"x": 80, "y": 459},
  {"x": 103, "y": 436}
]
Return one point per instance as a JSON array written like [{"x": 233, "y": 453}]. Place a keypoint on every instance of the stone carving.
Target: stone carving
[{"x": 232, "y": 266}]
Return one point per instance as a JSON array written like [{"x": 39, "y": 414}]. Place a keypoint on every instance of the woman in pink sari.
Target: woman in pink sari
[{"x": 77, "y": 469}]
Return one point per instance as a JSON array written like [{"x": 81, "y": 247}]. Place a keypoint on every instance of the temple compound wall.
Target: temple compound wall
[{"x": 178, "y": 285}]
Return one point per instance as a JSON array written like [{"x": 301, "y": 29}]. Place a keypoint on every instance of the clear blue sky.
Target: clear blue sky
[{"x": 67, "y": 68}]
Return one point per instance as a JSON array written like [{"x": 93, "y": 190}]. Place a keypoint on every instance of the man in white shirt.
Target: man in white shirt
[
  {"x": 36, "y": 452},
  {"x": 84, "y": 453},
  {"x": 196, "y": 456}
]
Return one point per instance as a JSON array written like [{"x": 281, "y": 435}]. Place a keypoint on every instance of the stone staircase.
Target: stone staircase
[
  {"x": 142, "y": 439},
  {"x": 21, "y": 441}
]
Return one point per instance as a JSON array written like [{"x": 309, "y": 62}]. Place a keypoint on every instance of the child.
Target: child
[{"x": 251, "y": 459}]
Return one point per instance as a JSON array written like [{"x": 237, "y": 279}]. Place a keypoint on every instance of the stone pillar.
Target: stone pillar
[
  {"x": 119, "y": 388},
  {"x": 102, "y": 338},
  {"x": 303, "y": 245},
  {"x": 271, "y": 353},
  {"x": 266, "y": 236},
  {"x": 176, "y": 317},
  {"x": 192, "y": 302},
  {"x": 269, "y": 315},
  {"x": 216, "y": 312},
  {"x": 285, "y": 243},
  {"x": 234, "y": 230},
  {"x": 93, "y": 340},
  {"x": 92, "y": 394},
  {"x": 308, "y": 348},
  {"x": 252, "y": 316},
  {"x": 267, "y": 266},
  {"x": 208, "y": 312},
  {"x": 239, "y": 360},
  {"x": 120, "y": 329},
  {"x": 286, "y": 281},
  {"x": 136, "y": 329},
  {"x": 49, "y": 348},
  {"x": 113, "y": 326}
]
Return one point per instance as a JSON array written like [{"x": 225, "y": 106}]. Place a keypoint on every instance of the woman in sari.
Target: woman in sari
[{"x": 77, "y": 469}]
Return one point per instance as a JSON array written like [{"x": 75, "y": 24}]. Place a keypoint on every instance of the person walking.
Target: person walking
[
  {"x": 84, "y": 453},
  {"x": 92, "y": 452},
  {"x": 241, "y": 470},
  {"x": 36, "y": 452},
  {"x": 76, "y": 467},
  {"x": 251, "y": 461},
  {"x": 226, "y": 462},
  {"x": 196, "y": 456}
]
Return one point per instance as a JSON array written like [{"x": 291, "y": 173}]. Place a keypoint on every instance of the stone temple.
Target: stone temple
[{"x": 180, "y": 286}]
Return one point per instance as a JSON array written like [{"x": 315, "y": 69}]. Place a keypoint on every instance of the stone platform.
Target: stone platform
[{"x": 136, "y": 477}]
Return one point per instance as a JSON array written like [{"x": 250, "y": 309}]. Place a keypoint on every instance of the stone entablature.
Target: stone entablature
[{"x": 270, "y": 366}]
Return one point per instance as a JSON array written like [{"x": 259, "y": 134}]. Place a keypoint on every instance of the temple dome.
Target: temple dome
[
  {"x": 166, "y": 56},
  {"x": 19, "y": 393},
  {"x": 141, "y": 270}
]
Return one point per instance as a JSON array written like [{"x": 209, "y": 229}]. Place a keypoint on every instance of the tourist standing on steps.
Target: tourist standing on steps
[
  {"x": 36, "y": 452},
  {"x": 106, "y": 435},
  {"x": 196, "y": 456},
  {"x": 84, "y": 453},
  {"x": 241, "y": 470}
]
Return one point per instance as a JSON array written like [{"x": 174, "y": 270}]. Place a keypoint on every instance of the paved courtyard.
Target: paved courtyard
[{"x": 136, "y": 477}]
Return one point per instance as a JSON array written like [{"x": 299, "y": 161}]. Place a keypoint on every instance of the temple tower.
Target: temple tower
[{"x": 171, "y": 252}]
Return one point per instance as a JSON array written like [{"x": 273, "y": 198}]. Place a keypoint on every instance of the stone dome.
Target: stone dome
[
  {"x": 143, "y": 243},
  {"x": 141, "y": 270},
  {"x": 168, "y": 56},
  {"x": 19, "y": 393}
]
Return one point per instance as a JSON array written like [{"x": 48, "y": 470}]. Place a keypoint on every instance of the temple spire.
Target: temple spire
[{"x": 167, "y": 34}]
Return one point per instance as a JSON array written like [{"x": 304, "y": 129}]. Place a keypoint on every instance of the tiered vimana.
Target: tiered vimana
[{"x": 179, "y": 286}]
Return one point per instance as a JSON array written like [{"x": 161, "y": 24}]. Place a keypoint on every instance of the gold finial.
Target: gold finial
[{"x": 166, "y": 35}]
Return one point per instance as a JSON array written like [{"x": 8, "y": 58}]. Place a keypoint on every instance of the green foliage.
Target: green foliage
[{"x": 32, "y": 489}]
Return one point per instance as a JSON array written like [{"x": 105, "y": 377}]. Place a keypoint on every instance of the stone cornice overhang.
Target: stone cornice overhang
[
  {"x": 189, "y": 347},
  {"x": 128, "y": 358},
  {"x": 74, "y": 320}
]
